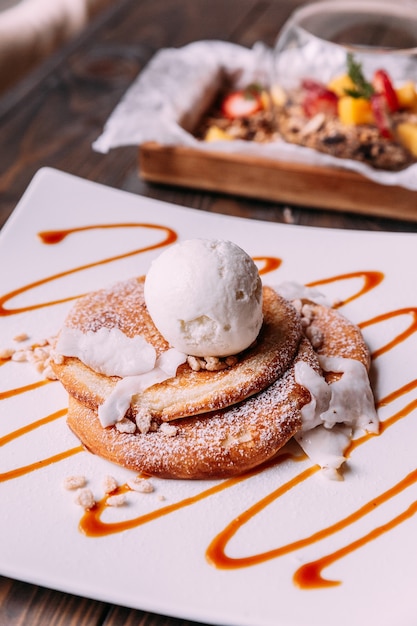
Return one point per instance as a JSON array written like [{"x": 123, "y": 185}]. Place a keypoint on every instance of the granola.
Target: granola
[
  {"x": 373, "y": 122},
  {"x": 362, "y": 142}
]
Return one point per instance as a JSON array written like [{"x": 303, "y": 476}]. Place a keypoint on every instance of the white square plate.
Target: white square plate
[{"x": 361, "y": 532}]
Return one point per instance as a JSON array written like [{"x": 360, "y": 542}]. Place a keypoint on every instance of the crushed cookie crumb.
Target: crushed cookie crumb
[
  {"x": 49, "y": 373},
  {"x": 169, "y": 430},
  {"x": 20, "y": 356},
  {"x": 59, "y": 359},
  {"x": 39, "y": 355},
  {"x": 85, "y": 498},
  {"x": 21, "y": 337},
  {"x": 141, "y": 485},
  {"x": 308, "y": 311},
  {"x": 109, "y": 484},
  {"x": 74, "y": 482},
  {"x": 40, "y": 367},
  {"x": 125, "y": 426},
  {"x": 315, "y": 335},
  {"x": 194, "y": 363},
  {"x": 211, "y": 363},
  {"x": 116, "y": 500},
  {"x": 143, "y": 422}
]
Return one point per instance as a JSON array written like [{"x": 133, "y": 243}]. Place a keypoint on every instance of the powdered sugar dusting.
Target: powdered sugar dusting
[
  {"x": 217, "y": 444},
  {"x": 119, "y": 306}
]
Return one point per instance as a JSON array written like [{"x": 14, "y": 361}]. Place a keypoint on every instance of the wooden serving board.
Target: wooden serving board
[{"x": 267, "y": 179}]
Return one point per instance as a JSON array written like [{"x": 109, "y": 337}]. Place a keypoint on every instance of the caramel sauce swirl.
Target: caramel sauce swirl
[
  {"x": 92, "y": 525},
  {"x": 25, "y": 389},
  {"x": 26, "y": 469},
  {"x": 56, "y": 236},
  {"x": 370, "y": 281},
  {"x": 267, "y": 264},
  {"x": 308, "y": 575},
  {"x": 410, "y": 312}
]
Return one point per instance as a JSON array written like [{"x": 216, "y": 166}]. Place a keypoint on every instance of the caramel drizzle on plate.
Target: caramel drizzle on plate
[
  {"x": 370, "y": 281},
  {"x": 308, "y": 575},
  {"x": 24, "y": 430},
  {"x": 52, "y": 237}
]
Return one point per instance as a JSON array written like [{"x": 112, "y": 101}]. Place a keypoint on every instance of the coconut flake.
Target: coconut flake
[
  {"x": 117, "y": 403},
  {"x": 107, "y": 351},
  {"x": 325, "y": 447},
  {"x": 291, "y": 290},
  {"x": 336, "y": 412},
  {"x": 352, "y": 401}
]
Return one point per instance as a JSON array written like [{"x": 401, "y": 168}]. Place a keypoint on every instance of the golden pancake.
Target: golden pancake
[
  {"x": 233, "y": 440},
  {"x": 190, "y": 392},
  {"x": 218, "y": 444}
]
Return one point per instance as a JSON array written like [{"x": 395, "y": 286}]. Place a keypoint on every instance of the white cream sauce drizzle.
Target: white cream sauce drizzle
[
  {"x": 336, "y": 412},
  {"x": 326, "y": 447},
  {"x": 291, "y": 290},
  {"x": 117, "y": 403},
  {"x": 107, "y": 351}
]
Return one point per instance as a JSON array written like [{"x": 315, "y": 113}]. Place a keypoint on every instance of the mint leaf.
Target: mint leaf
[{"x": 363, "y": 89}]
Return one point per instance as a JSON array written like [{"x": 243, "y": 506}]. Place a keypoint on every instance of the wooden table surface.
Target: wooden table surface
[{"x": 51, "y": 119}]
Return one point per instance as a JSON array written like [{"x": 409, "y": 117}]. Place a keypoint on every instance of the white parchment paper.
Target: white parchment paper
[{"x": 175, "y": 87}]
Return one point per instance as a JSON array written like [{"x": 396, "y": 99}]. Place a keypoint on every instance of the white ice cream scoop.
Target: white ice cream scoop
[{"x": 205, "y": 297}]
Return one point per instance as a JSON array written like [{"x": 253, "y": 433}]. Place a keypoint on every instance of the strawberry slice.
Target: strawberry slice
[
  {"x": 309, "y": 84},
  {"x": 383, "y": 85},
  {"x": 242, "y": 103},
  {"x": 318, "y": 99},
  {"x": 381, "y": 114}
]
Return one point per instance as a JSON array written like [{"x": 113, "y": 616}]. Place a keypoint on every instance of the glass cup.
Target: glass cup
[{"x": 316, "y": 39}]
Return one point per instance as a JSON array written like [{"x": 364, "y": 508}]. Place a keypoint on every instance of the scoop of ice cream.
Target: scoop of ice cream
[{"x": 205, "y": 297}]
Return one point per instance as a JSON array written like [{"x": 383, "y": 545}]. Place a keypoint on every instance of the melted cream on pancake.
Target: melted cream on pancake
[
  {"x": 116, "y": 405},
  {"x": 108, "y": 351}
]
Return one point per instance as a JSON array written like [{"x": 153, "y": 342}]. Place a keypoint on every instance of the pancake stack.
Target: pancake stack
[{"x": 206, "y": 422}]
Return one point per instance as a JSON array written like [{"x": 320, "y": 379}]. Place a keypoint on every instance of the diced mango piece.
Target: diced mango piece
[
  {"x": 407, "y": 95},
  {"x": 354, "y": 111},
  {"x": 265, "y": 99},
  {"x": 407, "y": 135},
  {"x": 278, "y": 96},
  {"x": 339, "y": 84},
  {"x": 214, "y": 133}
]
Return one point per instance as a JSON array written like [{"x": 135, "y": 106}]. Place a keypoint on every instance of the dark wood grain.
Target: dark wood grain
[
  {"x": 54, "y": 116},
  {"x": 23, "y": 604},
  {"x": 51, "y": 119}
]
